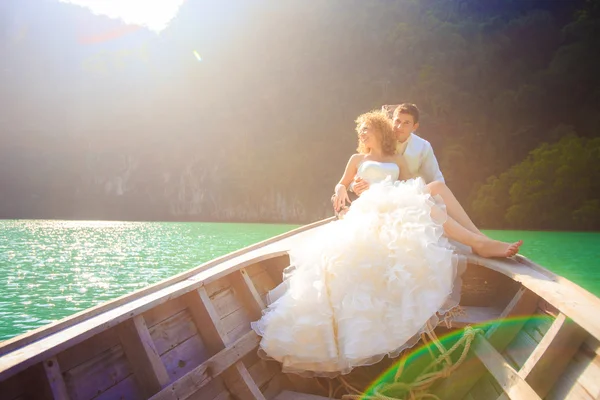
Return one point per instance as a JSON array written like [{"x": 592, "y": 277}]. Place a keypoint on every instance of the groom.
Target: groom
[{"x": 417, "y": 151}]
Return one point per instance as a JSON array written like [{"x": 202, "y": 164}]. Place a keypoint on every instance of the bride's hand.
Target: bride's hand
[{"x": 341, "y": 197}]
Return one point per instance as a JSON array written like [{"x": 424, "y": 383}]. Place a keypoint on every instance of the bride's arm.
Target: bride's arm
[
  {"x": 350, "y": 171},
  {"x": 341, "y": 192}
]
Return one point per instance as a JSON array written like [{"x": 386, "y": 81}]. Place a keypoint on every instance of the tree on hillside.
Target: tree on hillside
[{"x": 556, "y": 187}]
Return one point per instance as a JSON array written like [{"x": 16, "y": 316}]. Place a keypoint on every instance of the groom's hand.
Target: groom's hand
[{"x": 360, "y": 185}]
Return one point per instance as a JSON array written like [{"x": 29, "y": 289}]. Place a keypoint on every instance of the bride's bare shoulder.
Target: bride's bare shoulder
[{"x": 357, "y": 157}]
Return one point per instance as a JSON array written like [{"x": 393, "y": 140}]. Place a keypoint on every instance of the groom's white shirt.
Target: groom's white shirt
[{"x": 420, "y": 158}]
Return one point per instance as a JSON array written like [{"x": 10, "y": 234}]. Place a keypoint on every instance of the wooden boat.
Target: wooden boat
[{"x": 189, "y": 337}]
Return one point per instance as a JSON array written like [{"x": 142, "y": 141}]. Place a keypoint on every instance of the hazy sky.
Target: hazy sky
[{"x": 154, "y": 15}]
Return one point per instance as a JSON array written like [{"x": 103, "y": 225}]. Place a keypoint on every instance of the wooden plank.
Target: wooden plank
[
  {"x": 225, "y": 395},
  {"x": 263, "y": 371},
  {"x": 592, "y": 344},
  {"x": 538, "y": 325},
  {"x": 126, "y": 389},
  {"x": 15, "y": 386},
  {"x": 519, "y": 350},
  {"x": 277, "y": 244},
  {"x": 275, "y": 268},
  {"x": 82, "y": 352},
  {"x": 173, "y": 331},
  {"x": 276, "y": 385},
  {"x": 255, "y": 269},
  {"x": 476, "y": 315},
  {"x": 483, "y": 287},
  {"x": 226, "y": 302},
  {"x": 522, "y": 305},
  {"x": 246, "y": 291},
  {"x": 237, "y": 323},
  {"x": 185, "y": 357},
  {"x": 139, "y": 348},
  {"x": 262, "y": 282},
  {"x": 589, "y": 368},
  {"x": 547, "y": 362},
  {"x": 57, "y": 385},
  {"x": 246, "y": 388},
  {"x": 510, "y": 381},
  {"x": 302, "y": 384},
  {"x": 218, "y": 286},
  {"x": 207, "y": 319},
  {"x": 98, "y": 374},
  {"x": 214, "y": 366},
  {"x": 29, "y": 384},
  {"x": 572, "y": 300},
  {"x": 484, "y": 388},
  {"x": 163, "y": 311},
  {"x": 289, "y": 395},
  {"x": 568, "y": 387},
  {"x": 213, "y": 390},
  {"x": 237, "y": 379},
  {"x": 500, "y": 335}
]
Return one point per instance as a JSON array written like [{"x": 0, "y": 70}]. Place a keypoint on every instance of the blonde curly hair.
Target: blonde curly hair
[{"x": 382, "y": 124}]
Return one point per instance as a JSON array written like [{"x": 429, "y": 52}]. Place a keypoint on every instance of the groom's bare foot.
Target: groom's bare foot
[{"x": 494, "y": 248}]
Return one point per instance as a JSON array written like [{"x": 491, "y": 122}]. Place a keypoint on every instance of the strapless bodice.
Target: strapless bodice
[{"x": 375, "y": 171}]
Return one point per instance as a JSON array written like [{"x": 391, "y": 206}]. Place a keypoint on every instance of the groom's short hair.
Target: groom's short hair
[{"x": 408, "y": 108}]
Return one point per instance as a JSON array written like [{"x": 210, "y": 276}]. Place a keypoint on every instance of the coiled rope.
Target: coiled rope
[{"x": 441, "y": 367}]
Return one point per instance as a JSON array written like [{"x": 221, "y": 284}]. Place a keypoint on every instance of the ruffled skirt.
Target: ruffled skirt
[{"x": 365, "y": 286}]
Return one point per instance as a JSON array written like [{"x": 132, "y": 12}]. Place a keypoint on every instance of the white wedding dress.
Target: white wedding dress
[{"x": 365, "y": 286}]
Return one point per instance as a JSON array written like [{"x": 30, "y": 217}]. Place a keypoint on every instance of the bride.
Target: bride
[{"x": 367, "y": 285}]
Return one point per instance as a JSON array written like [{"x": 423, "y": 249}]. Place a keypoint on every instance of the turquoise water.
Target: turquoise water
[
  {"x": 52, "y": 269},
  {"x": 574, "y": 255}
]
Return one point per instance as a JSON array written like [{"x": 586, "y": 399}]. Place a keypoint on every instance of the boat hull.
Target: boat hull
[{"x": 190, "y": 337}]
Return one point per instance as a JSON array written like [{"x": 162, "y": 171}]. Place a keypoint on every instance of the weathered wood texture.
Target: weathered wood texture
[
  {"x": 200, "y": 376},
  {"x": 482, "y": 287},
  {"x": 581, "y": 378},
  {"x": 55, "y": 380},
  {"x": 522, "y": 305},
  {"x": 572, "y": 300},
  {"x": 506, "y": 376},
  {"x": 140, "y": 350},
  {"x": 288, "y": 395}
]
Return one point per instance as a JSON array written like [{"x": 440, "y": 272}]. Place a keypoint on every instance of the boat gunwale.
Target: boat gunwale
[
  {"x": 27, "y": 357},
  {"x": 534, "y": 276},
  {"x": 29, "y": 337}
]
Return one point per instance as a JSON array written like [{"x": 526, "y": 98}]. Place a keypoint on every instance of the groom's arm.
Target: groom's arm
[{"x": 430, "y": 169}]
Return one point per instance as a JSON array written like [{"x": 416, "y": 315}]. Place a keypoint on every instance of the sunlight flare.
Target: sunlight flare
[{"x": 154, "y": 15}]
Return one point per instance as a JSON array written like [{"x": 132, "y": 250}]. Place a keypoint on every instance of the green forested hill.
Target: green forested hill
[{"x": 101, "y": 122}]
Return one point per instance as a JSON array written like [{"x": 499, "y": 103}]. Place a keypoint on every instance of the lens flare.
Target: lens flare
[{"x": 412, "y": 364}]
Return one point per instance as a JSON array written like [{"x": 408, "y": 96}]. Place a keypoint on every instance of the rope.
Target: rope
[{"x": 441, "y": 367}]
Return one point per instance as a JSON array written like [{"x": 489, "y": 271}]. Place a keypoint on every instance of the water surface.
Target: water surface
[{"x": 52, "y": 269}]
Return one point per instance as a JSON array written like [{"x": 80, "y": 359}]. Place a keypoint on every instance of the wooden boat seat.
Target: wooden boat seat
[{"x": 289, "y": 395}]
